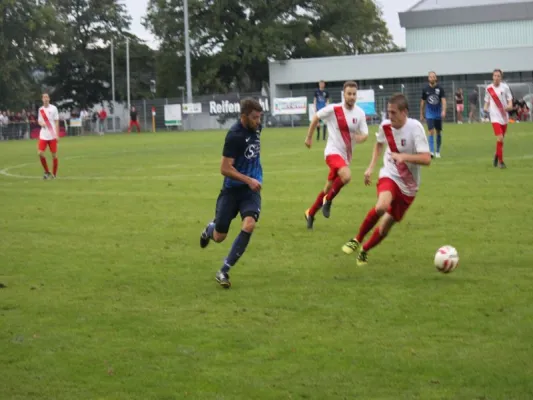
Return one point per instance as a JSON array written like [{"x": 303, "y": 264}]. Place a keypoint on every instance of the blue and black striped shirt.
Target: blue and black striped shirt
[{"x": 244, "y": 146}]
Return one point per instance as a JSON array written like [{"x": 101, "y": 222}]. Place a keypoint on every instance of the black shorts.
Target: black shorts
[
  {"x": 435, "y": 124},
  {"x": 232, "y": 201}
]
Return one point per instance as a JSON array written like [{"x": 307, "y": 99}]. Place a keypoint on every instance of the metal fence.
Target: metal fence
[
  {"x": 210, "y": 119},
  {"x": 218, "y": 110}
]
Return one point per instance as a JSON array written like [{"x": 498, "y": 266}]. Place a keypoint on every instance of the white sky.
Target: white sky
[{"x": 137, "y": 9}]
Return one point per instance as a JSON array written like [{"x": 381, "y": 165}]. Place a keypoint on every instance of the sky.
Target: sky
[{"x": 137, "y": 9}]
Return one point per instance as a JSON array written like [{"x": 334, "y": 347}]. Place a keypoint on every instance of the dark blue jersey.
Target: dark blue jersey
[
  {"x": 433, "y": 97},
  {"x": 321, "y": 97},
  {"x": 244, "y": 146}
]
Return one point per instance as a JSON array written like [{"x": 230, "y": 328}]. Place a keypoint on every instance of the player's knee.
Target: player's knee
[
  {"x": 248, "y": 224},
  {"x": 219, "y": 237},
  {"x": 40, "y": 153},
  {"x": 381, "y": 208},
  {"x": 499, "y": 138},
  {"x": 54, "y": 155},
  {"x": 346, "y": 175}
]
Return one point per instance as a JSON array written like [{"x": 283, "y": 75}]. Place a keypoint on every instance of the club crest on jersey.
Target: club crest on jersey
[
  {"x": 403, "y": 142},
  {"x": 355, "y": 120},
  {"x": 252, "y": 151},
  {"x": 437, "y": 90}
]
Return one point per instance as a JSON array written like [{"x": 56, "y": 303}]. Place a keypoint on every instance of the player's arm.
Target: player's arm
[
  {"x": 422, "y": 104},
  {"x": 362, "y": 131},
  {"x": 444, "y": 103},
  {"x": 327, "y": 98},
  {"x": 40, "y": 119},
  {"x": 323, "y": 115},
  {"x": 232, "y": 147},
  {"x": 314, "y": 101},
  {"x": 509, "y": 97},
  {"x": 422, "y": 156},
  {"x": 376, "y": 153},
  {"x": 56, "y": 117}
]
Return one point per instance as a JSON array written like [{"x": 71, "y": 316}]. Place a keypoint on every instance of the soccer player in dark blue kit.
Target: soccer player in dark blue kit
[
  {"x": 243, "y": 177},
  {"x": 433, "y": 109},
  {"x": 321, "y": 100}
]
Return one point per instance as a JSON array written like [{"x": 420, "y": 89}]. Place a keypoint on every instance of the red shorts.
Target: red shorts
[
  {"x": 499, "y": 129},
  {"x": 400, "y": 202},
  {"x": 335, "y": 162},
  {"x": 50, "y": 143}
]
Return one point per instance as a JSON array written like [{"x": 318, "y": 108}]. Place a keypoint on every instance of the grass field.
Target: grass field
[{"x": 108, "y": 296}]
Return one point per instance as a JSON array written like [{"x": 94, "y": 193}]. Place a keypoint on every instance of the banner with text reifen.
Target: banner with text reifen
[{"x": 231, "y": 105}]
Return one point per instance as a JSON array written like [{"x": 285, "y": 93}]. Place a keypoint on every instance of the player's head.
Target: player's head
[
  {"x": 133, "y": 108},
  {"x": 251, "y": 113},
  {"x": 497, "y": 76},
  {"x": 46, "y": 99},
  {"x": 398, "y": 110},
  {"x": 432, "y": 77},
  {"x": 350, "y": 93},
  {"x": 321, "y": 85}
]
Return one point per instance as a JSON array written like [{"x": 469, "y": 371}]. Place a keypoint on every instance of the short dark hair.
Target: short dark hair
[
  {"x": 399, "y": 100},
  {"x": 498, "y": 70},
  {"x": 248, "y": 105},
  {"x": 349, "y": 84}
]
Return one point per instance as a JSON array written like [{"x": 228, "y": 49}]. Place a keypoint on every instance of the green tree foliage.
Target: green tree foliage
[
  {"x": 27, "y": 32},
  {"x": 232, "y": 41},
  {"x": 82, "y": 70}
]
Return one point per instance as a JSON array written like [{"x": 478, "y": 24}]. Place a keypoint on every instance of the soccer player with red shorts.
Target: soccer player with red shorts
[
  {"x": 48, "y": 119},
  {"x": 346, "y": 124},
  {"x": 498, "y": 101},
  {"x": 399, "y": 178}
]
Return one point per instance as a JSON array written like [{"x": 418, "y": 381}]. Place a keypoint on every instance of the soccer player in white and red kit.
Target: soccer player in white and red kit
[
  {"x": 346, "y": 124},
  {"x": 498, "y": 101},
  {"x": 48, "y": 119},
  {"x": 399, "y": 179}
]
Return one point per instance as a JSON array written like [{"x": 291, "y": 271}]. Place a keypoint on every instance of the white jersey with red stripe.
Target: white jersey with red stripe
[
  {"x": 52, "y": 115},
  {"x": 410, "y": 139},
  {"x": 343, "y": 124},
  {"x": 497, "y": 104}
]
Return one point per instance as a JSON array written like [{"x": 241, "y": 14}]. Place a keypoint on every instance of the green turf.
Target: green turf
[{"x": 110, "y": 297}]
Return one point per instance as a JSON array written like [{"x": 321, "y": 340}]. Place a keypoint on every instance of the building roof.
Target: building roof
[
  {"x": 429, "y": 13},
  {"x": 400, "y": 65},
  {"x": 442, "y": 4}
]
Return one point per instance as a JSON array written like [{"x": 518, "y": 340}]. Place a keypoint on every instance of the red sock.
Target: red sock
[
  {"x": 335, "y": 189},
  {"x": 45, "y": 164},
  {"x": 371, "y": 219},
  {"x": 374, "y": 240},
  {"x": 499, "y": 151},
  {"x": 317, "y": 205},
  {"x": 56, "y": 162}
]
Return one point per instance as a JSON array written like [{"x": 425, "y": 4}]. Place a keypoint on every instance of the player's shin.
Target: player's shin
[
  {"x": 317, "y": 204},
  {"x": 335, "y": 188},
  {"x": 439, "y": 141},
  {"x": 431, "y": 140},
  {"x": 44, "y": 163},
  {"x": 369, "y": 222},
  {"x": 237, "y": 250},
  {"x": 56, "y": 165},
  {"x": 375, "y": 239}
]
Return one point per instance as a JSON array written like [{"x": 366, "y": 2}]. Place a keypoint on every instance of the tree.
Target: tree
[
  {"x": 231, "y": 42},
  {"x": 81, "y": 75},
  {"x": 27, "y": 32},
  {"x": 142, "y": 70}
]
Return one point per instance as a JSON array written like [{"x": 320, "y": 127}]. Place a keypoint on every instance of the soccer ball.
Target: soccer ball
[{"x": 446, "y": 259}]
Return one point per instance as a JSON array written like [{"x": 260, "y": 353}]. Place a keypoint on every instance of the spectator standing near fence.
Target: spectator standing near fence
[
  {"x": 459, "y": 105},
  {"x": 473, "y": 102},
  {"x": 102, "y": 116},
  {"x": 48, "y": 119},
  {"x": 134, "y": 120}
]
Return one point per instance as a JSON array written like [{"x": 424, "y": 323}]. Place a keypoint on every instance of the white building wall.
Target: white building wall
[{"x": 473, "y": 36}]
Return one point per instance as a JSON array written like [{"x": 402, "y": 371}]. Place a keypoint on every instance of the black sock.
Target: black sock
[
  {"x": 318, "y": 133},
  {"x": 237, "y": 250}
]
